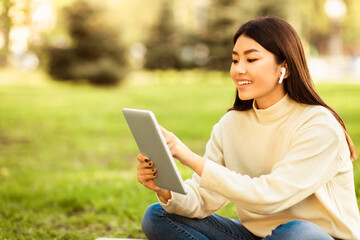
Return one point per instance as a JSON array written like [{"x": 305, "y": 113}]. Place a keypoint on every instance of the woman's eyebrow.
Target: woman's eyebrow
[
  {"x": 246, "y": 52},
  {"x": 250, "y": 51}
]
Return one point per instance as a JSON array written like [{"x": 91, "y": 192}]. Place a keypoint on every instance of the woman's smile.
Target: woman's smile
[{"x": 242, "y": 84}]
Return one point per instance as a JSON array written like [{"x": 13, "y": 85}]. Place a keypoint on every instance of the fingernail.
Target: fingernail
[
  {"x": 150, "y": 164},
  {"x": 153, "y": 170},
  {"x": 154, "y": 174},
  {"x": 147, "y": 160}
]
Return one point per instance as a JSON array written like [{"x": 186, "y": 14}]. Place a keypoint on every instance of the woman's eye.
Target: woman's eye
[
  {"x": 234, "y": 61},
  {"x": 250, "y": 60}
]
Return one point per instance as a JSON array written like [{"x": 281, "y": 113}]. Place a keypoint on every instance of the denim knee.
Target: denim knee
[
  {"x": 152, "y": 213},
  {"x": 299, "y": 229}
]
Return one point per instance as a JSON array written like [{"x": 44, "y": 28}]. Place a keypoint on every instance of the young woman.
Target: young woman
[{"x": 280, "y": 154}]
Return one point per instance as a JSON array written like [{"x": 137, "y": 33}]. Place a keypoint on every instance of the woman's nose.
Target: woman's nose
[{"x": 240, "y": 68}]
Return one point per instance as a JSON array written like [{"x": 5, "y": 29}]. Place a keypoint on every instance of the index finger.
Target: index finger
[
  {"x": 164, "y": 131},
  {"x": 142, "y": 158}
]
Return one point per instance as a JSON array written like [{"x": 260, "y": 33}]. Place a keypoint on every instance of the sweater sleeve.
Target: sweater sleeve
[
  {"x": 199, "y": 202},
  {"x": 311, "y": 160}
]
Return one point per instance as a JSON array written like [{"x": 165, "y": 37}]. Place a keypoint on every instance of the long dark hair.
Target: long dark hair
[{"x": 280, "y": 38}]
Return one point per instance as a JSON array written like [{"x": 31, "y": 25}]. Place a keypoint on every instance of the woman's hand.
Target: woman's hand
[
  {"x": 178, "y": 149},
  {"x": 181, "y": 152},
  {"x": 146, "y": 173}
]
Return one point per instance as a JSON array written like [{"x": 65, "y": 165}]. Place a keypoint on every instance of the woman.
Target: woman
[{"x": 280, "y": 154}]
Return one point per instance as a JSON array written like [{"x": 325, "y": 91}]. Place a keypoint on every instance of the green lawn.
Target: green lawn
[{"x": 67, "y": 158}]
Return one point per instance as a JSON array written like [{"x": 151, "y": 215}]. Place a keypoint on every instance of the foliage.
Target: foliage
[
  {"x": 351, "y": 25},
  {"x": 169, "y": 44},
  {"x": 95, "y": 55},
  {"x": 5, "y": 23},
  {"x": 171, "y": 47},
  {"x": 163, "y": 45},
  {"x": 220, "y": 32},
  {"x": 67, "y": 158},
  {"x": 223, "y": 17}
]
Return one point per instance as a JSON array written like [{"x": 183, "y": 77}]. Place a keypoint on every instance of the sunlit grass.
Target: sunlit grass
[{"x": 67, "y": 158}]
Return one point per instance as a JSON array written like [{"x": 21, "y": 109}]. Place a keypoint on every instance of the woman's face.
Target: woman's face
[{"x": 255, "y": 73}]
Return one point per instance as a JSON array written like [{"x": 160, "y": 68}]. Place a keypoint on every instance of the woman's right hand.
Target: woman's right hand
[{"x": 146, "y": 173}]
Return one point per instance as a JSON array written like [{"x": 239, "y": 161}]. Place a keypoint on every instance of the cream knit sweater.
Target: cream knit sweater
[{"x": 290, "y": 161}]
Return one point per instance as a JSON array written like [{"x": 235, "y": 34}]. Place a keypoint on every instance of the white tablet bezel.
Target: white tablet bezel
[{"x": 151, "y": 142}]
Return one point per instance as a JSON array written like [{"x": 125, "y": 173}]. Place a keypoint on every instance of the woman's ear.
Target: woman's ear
[{"x": 287, "y": 74}]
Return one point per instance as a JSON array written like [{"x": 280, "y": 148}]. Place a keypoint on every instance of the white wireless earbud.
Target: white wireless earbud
[{"x": 283, "y": 71}]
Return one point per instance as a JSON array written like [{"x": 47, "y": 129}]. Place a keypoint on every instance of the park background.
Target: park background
[{"x": 67, "y": 68}]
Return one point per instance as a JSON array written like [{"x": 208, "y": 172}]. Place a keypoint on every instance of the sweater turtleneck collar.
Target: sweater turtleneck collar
[{"x": 275, "y": 111}]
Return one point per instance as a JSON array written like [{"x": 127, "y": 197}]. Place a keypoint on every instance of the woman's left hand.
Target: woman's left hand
[{"x": 181, "y": 152}]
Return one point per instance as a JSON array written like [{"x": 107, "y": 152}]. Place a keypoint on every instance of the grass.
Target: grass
[{"x": 67, "y": 158}]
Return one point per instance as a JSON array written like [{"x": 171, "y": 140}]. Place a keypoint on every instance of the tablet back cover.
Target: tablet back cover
[{"x": 151, "y": 142}]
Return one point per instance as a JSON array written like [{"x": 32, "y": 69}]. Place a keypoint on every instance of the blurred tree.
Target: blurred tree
[
  {"x": 187, "y": 29},
  {"x": 168, "y": 47},
  {"x": 5, "y": 26},
  {"x": 221, "y": 28},
  {"x": 96, "y": 54},
  {"x": 163, "y": 45},
  {"x": 314, "y": 23},
  {"x": 214, "y": 41},
  {"x": 272, "y": 7},
  {"x": 352, "y": 27},
  {"x": 226, "y": 16}
]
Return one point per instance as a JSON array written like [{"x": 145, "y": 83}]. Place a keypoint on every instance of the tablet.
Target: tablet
[{"x": 150, "y": 141}]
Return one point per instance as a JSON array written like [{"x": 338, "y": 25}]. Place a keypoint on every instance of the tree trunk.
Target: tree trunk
[{"x": 5, "y": 29}]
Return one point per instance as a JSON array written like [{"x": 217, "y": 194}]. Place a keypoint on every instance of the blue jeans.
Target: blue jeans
[{"x": 159, "y": 224}]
